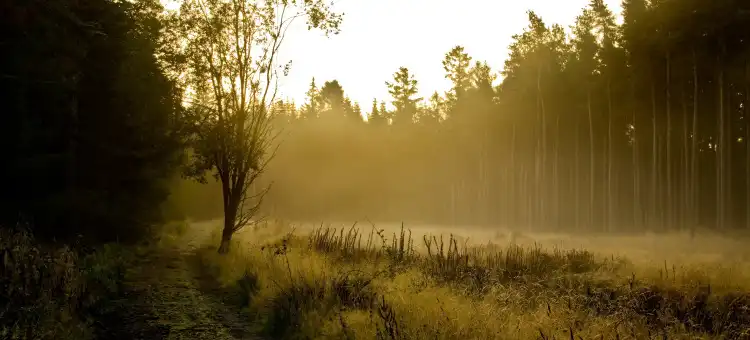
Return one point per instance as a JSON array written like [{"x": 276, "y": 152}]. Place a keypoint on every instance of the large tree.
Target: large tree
[{"x": 232, "y": 52}]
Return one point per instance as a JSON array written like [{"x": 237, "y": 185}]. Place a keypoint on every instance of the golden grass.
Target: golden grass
[{"x": 353, "y": 284}]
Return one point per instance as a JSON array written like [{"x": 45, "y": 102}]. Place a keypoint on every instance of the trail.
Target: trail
[{"x": 167, "y": 297}]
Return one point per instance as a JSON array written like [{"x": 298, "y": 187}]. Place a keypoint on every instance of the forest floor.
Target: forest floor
[{"x": 167, "y": 295}]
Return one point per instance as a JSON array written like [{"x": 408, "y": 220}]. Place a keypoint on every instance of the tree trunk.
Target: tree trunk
[
  {"x": 514, "y": 194},
  {"x": 231, "y": 198},
  {"x": 746, "y": 113},
  {"x": 543, "y": 166},
  {"x": 556, "y": 176},
  {"x": 536, "y": 214},
  {"x": 670, "y": 199},
  {"x": 637, "y": 208},
  {"x": 720, "y": 147},
  {"x": 592, "y": 158},
  {"x": 654, "y": 209},
  {"x": 610, "y": 208},
  {"x": 694, "y": 214},
  {"x": 577, "y": 174},
  {"x": 226, "y": 234},
  {"x": 685, "y": 183}
]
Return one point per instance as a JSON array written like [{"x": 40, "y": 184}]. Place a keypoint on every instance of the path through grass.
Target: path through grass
[{"x": 168, "y": 297}]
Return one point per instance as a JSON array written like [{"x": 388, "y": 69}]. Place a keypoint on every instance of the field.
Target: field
[{"x": 370, "y": 282}]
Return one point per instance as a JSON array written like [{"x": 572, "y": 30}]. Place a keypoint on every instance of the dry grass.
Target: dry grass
[
  {"x": 50, "y": 291},
  {"x": 372, "y": 284}
]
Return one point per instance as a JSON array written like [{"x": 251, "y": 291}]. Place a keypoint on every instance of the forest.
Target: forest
[
  {"x": 140, "y": 138},
  {"x": 595, "y": 127}
]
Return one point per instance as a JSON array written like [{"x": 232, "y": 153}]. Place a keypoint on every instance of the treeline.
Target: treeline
[
  {"x": 639, "y": 125},
  {"x": 603, "y": 127}
]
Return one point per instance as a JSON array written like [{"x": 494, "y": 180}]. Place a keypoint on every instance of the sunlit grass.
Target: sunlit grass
[{"x": 363, "y": 283}]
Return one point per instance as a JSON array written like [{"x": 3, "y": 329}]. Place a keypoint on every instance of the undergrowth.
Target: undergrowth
[
  {"x": 344, "y": 283},
  {"x": 52, "y": 291}
]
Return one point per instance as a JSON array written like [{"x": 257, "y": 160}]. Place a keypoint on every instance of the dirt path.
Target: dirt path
[{"x": 166, "y": 297}]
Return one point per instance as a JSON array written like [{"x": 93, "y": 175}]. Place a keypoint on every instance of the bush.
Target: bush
[{"x": 51, "y": 292}]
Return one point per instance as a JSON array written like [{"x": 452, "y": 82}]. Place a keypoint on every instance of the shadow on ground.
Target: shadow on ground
[{"x": 170, "y": 295}]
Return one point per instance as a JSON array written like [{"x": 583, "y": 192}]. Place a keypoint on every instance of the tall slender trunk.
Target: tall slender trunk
[
  {"x": 542, "y": 164},
  {"x": 637, "y": 208},
  {"x": 654, "y": 210},
  {"x": 728, "y": 163},
  {"x": 486, "y": 179},
  {"x": 525, "y": 199},
  {"x": 720, "y": 149},
  {"x": 670, "y": 199},
  {"x": 592, "y": 158},
  {"x": 685, "y": 161},
  {"x": 577, "y": 173},
  {"x": 71, "y": 180},
  {"x": 453, "y": 203},
  {"x": 610, "y": 198},
  {"x": 694, "y": 215},
  {"x": 514, "y": 196},
  {"x": 746, "y": 114},
  {"x": 555, "y": 176}
]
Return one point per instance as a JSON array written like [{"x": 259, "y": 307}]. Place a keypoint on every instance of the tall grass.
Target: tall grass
[
  {"x": 54, "y": 291},
  {"x": 345, "y": 283}
]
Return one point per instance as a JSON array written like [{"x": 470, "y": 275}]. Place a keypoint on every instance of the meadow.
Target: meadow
[{"x": 367, "y": 282}]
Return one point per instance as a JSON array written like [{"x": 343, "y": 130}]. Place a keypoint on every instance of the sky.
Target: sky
[{"x": 379, "y": 36}]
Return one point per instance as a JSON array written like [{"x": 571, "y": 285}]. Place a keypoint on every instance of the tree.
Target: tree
[
  {"x": 231, "y": 49},
  {"x": 355, "y": 113},
  {"x": 403, "y": 89},
  {"x": 432, "y": 114},
  {"x": 334, "y": 104},
  {"x": 90, "y": 123},
  {"x": 387, "y": 115},
  {"x": 375, "y": 117},
  {"x": 584, "y": 64},
  {"x": 311, "y": 108},
  {"x": 456, "y": 65}
]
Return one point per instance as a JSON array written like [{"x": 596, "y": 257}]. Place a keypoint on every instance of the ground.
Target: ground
[
  {"x": 168, "y": 296},
  {"x": 290, "y": 281}
]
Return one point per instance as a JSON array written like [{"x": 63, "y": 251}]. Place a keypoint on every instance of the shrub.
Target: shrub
[{"x": 51, "y": 292}]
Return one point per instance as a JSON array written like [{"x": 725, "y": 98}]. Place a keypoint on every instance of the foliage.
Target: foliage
[
  {"x": 604, "y": 128},
  {"x": 403, "y": 89},
  {"x": 91, "y": 122},
  {"x": 231, "y": 65},
  {"x": 53, "y": 292}
]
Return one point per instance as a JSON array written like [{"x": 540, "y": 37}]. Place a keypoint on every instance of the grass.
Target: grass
[
  {"x": 352, "y": 284},
  {"x": 50, "y": 291}
]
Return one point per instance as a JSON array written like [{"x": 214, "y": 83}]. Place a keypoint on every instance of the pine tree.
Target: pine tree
[
  {"x": 311, "y": 108},
  {"x": 403, "y": 89}
]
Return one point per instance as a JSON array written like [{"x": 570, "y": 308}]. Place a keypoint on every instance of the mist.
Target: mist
[{"x": 595, "y": 186}]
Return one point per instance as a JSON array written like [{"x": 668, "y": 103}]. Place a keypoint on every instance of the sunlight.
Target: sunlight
[{"x": 380, "y": 36}]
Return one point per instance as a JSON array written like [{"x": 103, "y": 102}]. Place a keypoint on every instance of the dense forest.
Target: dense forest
[
  {"x": 90, "y": 119},
  {"x": 599, "y": 127}
]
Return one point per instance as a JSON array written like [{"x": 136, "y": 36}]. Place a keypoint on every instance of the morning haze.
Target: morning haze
[{"x": 286, "y": 169}]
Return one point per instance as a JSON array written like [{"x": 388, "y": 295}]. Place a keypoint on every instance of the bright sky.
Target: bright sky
[{"x": 379, "y": 36}]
